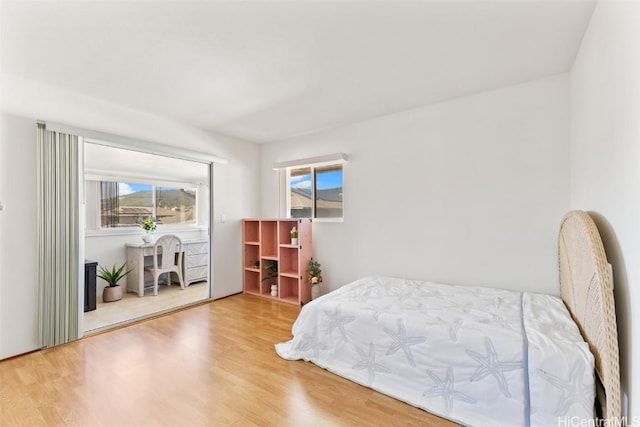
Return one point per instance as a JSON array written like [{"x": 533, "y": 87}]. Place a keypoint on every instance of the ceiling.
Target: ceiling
[
  {"x": 267, "y": 70},
  {"x": 104, "y": 162}
]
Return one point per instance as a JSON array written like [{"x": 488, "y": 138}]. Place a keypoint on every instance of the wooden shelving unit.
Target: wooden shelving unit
[{"x": 267, "y": 241}]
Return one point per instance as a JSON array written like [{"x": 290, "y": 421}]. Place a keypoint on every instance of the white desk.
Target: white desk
[{"x": 195, "y": 263}]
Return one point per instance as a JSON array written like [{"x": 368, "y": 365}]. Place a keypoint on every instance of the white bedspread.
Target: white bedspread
[{"x": 478, "y": 356}]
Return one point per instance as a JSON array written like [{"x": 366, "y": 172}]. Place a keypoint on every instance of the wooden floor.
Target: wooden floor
[{"x": 209, "y": 365}]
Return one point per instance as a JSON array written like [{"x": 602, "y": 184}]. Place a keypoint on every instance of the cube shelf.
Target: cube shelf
[{"x": 267, "y": 242}]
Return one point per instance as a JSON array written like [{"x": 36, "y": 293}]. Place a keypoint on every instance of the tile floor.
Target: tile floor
[{"x": 133, "y": 307}]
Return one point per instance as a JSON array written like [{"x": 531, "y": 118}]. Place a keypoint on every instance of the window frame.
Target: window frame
[
  {"x": 313, "y": 172},
  {"x": 97, "y": 229}
]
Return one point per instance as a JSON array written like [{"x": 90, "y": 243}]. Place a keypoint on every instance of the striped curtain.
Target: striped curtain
[
  {"x": 58, "y": 236},
  {"x": 110, "y": 207}
]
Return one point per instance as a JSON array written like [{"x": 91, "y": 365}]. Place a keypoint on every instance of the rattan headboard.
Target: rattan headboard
[{"x": 586, "y": 287}]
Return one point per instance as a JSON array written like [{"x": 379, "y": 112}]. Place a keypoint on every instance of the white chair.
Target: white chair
[{"x": 165, "y": 260}]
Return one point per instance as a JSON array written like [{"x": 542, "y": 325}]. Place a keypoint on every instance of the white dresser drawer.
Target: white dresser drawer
[
  {"x": 197, "y": 260},
  {"x": 197, "y": 273},
  {"x": 197, "y": 248}
]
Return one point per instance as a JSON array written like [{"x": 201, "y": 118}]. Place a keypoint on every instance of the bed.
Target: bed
[{"x": 478, "y": 356}]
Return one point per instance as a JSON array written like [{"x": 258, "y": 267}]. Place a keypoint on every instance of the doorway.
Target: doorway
[{"x": 124, "y": 187}]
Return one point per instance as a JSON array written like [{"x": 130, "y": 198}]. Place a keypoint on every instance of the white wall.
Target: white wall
[
  {"x": 605, "y": 161},
  {"x": 469, "y": 191},
  {"x": 18, "y": 237},
  {"x": 235, "y": 192}
]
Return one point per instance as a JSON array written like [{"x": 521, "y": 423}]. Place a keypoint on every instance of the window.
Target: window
[
  {"x": 300, "y": 205},
  {"x": 123, "y": 204},
  {"x": 315, "y": 192}
]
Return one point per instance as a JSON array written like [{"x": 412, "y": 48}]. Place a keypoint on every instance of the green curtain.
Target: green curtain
[
  {"x": 58, "y": 236},
  {"x": 110, "y": 206}
]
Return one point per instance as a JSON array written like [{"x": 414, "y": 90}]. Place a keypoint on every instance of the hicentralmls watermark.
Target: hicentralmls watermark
[{"x": 584, "y": 422}]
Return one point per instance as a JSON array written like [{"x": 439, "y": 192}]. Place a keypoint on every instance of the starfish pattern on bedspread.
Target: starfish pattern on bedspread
[
  {"x": 364, "y": 292},
  {"x": 425, "y": 303},
  {"x": 444, "y": 388},
  {"x": 572, "y": 389},
  {"x": 454, "y": 327},
  {"x": 498, "y": 320},
  {"x": 491, "y": 365},
  {"x": 417, "y": 308},
  {"x": 369, "y": 363},
  {"x": 377, "y": 311},
  {"x": 311, "y": 342},
  {"x": 337, "y": 321},
  {"x": 402, "y": 341}
]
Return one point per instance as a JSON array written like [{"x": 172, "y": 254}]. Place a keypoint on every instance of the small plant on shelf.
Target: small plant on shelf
[
  {"x": 315, "y": 271},
  {"x": 294, "y": 236},
  {"x": 271, "y": 275},
  {"x": 270, "y": 271}
]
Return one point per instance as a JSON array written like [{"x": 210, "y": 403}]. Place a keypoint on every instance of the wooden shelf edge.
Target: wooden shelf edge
[
  {"x": 290, "y": 300},
  {"x": 291, "y": 274},
  {"x": 270, "y": 257}
]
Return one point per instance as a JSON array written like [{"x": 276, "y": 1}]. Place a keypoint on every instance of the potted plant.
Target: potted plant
[
  {"x": 294, "y": 236},
  {"x": 271, "y": 274},
  {"x": 315, "y": 277},
  {"x": 113, "y": 292},
  {"x": 149, "y": 225}
]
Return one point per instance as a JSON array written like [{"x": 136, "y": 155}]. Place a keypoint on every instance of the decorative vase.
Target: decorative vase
[
  {"x": 294, "y": 241},
  {"x": 112, "y": 293},
  {"x": 315, "y": 291},
  {"x": 147, "y": 237},
  {"x": 274, "y": 290}
]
